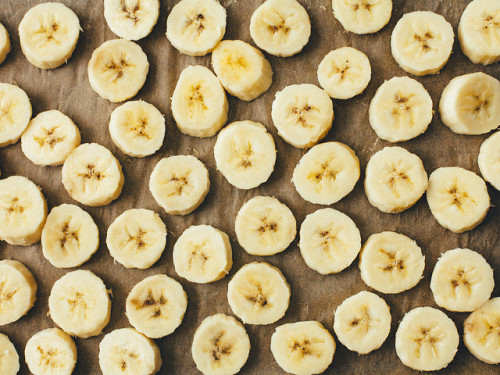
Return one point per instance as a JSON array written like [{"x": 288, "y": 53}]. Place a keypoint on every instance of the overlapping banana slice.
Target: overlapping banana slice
[
  {"x": 362, "y": 16},
  {"x": 15, "y": 113},
  {"x": 4, "y": 43},
  {"x": 9, "y": 361},
  {"x": 489, "y": 160},
  {"x": 131, "y": 19}
]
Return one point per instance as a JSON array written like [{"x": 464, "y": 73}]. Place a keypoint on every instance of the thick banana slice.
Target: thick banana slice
[
  {"x": 15, "y": 113},
  {"x": 302, "y": 114},
  {"x": 489, "y": 160},
  {"x": 92, "y": 175},
  {"x": 70, "y": 236},
  {"x": 400, "y": 110},
  {"x": 199, "y": 103},
  {"x": 245, "y": 154},
  {"x": 131, "y": 19},
  {"x": 23, "y": 211},
  {"x": 156, "y": 306},
  {"x": 458, "y": 198},
  {"x": 426, "y": 339},
  {"x": 220, "y": 345},
  {"x": 242, "y": 69},
  {"x": 362, "y": 16},
  {"x": 470, "y": 104},
  {"x": 9, "y": 360},
  {"x": 79, "y": 303},
  {"x": 137, "y": 238},
  {"x": 195, "y": 27},
  {"x": 4, "y": 43},
  {"x": 303, "y": 348},
  {"x": 118, "y": 69},
  {"x": 326, "y": 173}
]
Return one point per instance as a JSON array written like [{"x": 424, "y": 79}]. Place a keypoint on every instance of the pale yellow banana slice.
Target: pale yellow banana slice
[
  {"x": 489, "y": 160},
  {"x": 362, "y": 16},
  {"x": 9, "y": 359},
  {"x": 131, "y": 19},
  {"x": 4, "y": 43},
  {"x": 15, "y": 113}
]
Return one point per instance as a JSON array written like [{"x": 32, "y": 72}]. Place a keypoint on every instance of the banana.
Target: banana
[
  {"x": 489, "y": 160},
  {"x": 470, "y": 104},
  {"x": 92, "y": 175},
  {"x": 195, "y": 27},
  {"x": 179, "y": 184},
  {"x": 458, "y": 198},
  {"x": 426, "y": 339},
  {"x": 9, "y": 359},
  {"x": 326, "y": 173},
  {"x": 23, "y": 211},
  {"x": 137, "y": 128},
  {"x": 199, "y": 103},
  {"x": 15, "y": 113},
  {"x": 137, "y": 238},
  {"x": 48, "y": 34},
  {"x": 362, "y": 16},
  {"x": 242, "y": 69},
  {"x": 131, "y": 19},
  {"x": 79, "y": 303},
  {"x": 118, "y": 69},
  {"x": 5, "y": 45},
  {"x": 400, "y": 110},
  {"x": 156, "y": 305},
  {"x": 395, "y": 179},
  {"x": 220, "y": 345},
  {"x": 302, "y": 114}
]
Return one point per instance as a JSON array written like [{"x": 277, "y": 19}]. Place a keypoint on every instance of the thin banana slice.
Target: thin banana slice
[
  {"x": 426, "y": 339},
  {"x": 4, "y": 43},
  {"x": 458, "y": 198},
  {"x": 15, "y": 113},
  {"x": 9, "y": 360},
  {"x": 489, "y": 160},
  {"x": 362, "y": 16},
  {"x": 131, "y": 19}
]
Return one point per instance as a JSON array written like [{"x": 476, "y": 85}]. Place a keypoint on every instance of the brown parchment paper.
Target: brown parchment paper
[{"x": 314, "y": 297}]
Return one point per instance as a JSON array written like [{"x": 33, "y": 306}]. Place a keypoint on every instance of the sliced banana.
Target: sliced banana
[
  {"x": 4, "y": 43},
  {"x": 9, "y": 360},
  {"x": 362, "y": 16},
  {"x": 131, "y": 19},
  {"x": 15, "y": 113},
  {"x": 489, "y": 160}
]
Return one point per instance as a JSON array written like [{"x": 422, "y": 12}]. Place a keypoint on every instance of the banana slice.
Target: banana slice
[
  {"x": 426, "y": 339},
  {"x": 179, "y": 184},
  {"x": 15, "y": 113},
  {"x": 462, "y": 280},
  {"x": 303, "y": 348},
  {"x": 362, "y": 16},
  {"x": 70, "y": 236},
  {"x": 400, "y": 110},
  {"x": 391, "y": 262},
  {"x": 131, "y": 19},
  {"x": 23, "y": 211},
  {"x": 195, "y": 27},
  {"x": 302, "y": 114},
  {"x": 156, "y": 306},
  {"x": 458, "y": 198},
  {"x": 50, "y": 352},
  {"x": 220, "y": 345},
  {"x": 4, "y": 43},
  {"x": 9, "y": 360},
  {"x": 326, "y": 173},
  {"x": 137, "y": 238},
  {"x": 470, "y": 104},
  {"x": 242, "y": 69},
  {"x": 489, "y": 160},
  {"x": 79, "y": 303},
  {"x": 92, "y": 175},
  {"x": 199, "y": 103},
  {"x": 48, "y": 34},
  {"x": 395, "y": 179},
  {"x": 137, "y": 128},
  {"x": 118, "y": 69}
]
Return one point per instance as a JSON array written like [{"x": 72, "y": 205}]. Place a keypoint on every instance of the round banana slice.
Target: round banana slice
[
  {"x": 489, "y": 160},
  {"x": 79, "y": 303},
  {"x": 395, "y": 179},
  {"x": 202, "y": 254},
  {"x": 92, "y": 175},
  {"x": 362, "y": 322},
  {"x": 458, "y": 198},
  {"x": 302, "y": 114},
  {"x": 195, "y": 27},
  {"x": 156, "y": 306},
  {"x": 362, "y": 16},
  {"x": 118, "y": 69},
  {"x": 137, "y": 238},
  {"x": 9, "y": 362},
  {"x": 70, "y": 236},
  {"x": 400, "y": 110},
  {"x": 426, "y": 339},
  {"x": 326, "y": 173},
  {"x": 4, "y": 43},
  {"x": 131, "y": 19},
  {"x": 303, "y": 348},
  {"x": 391, "y": 262},
  {"x": 220, "y": 345},
  {"x": 15, "y": 113},
  {"x": 242, "y": 69}
]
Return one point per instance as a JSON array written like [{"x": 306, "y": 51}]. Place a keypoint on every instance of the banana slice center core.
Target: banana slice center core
[
  {"x": 362, "y": 320},
  {"x": 426, "y": 337},
  {"x": 196, "y": 23},
  {"x": 4, "y": 295},
  {"x": 118, "y": 67},
  {"x": 67, "y": 235},
  {"x": 220, "y": 349},
  {"x": 395, "y": 263},
  {"x": 48, "y": 358},
  {"x": 138, "y": 239},
  {"x": 92, "y": 173},
  {"x": 125, "y": 357},
  {"x": 151, "y": 302},
  {"x": 46, "y": 33},
  {"x": 78, "y": 303},
  {"x": 302, "y": 348},
  {"x": 258, "y": 298},
  {"x": 196, "y": 102},
  {"x": 131, "y": 12}
]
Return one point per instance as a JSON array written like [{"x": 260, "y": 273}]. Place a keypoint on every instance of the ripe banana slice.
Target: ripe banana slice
[
  {"x": 303, "y": 348},
  {"x": 220, "y": 345},
  {"x": 426, "y": 339},
  {"x": 199, "y": 103},
  {"x": 118, "y": 69},
  {"x": 9, "y": 360},
  {"x": 400, "y": 110},
  {"x": 395, "y": 179},
  {"x": 489, "y": 160},
  {"x": 79, "y": 303},
  {"x": 4, "y": 43},
  {"x": 458, "y": 198},
  {"x": 15, "y": 113},
  {"x": 302, "y": 114},
  {"x": 326, "y": 173},
  {"x": 195, "y": 27},
  {"x": 156, "y": 306},
  {"x": 362, "y": 16},
  {"x": 131, "y": 19},
  {"x": 242, "y": 69}
]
